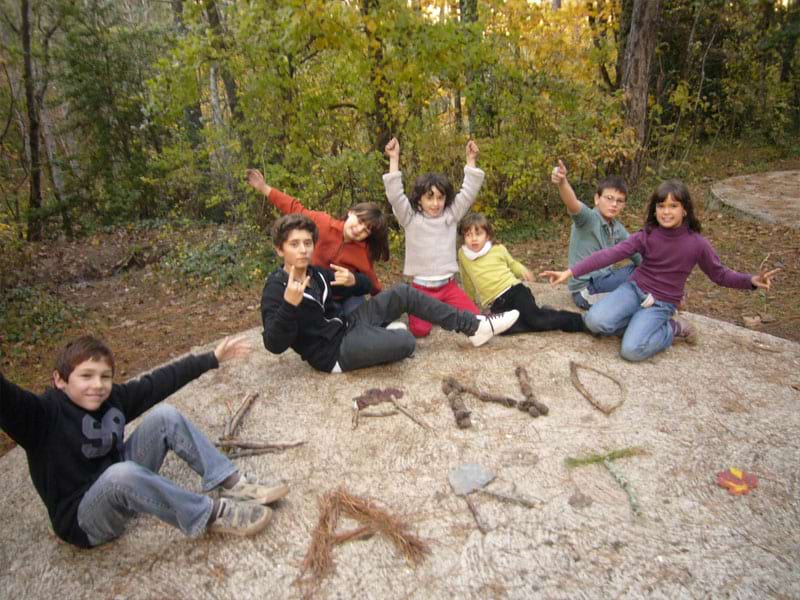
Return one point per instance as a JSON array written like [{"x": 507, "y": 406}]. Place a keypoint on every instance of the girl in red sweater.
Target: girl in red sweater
[{"x": 353, "y": 242}]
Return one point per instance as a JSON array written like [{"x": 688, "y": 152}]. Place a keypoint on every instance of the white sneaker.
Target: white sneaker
[
  {"x": 397, "y": 325},
  {"x": 492, "y": 325},
  {"x": 587, "y": 296}
]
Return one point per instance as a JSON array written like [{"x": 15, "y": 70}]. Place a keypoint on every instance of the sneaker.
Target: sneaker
[
  {"x": 491, "y": 325},
  {"x": 397, "y": 325},
  {"x": 240, "y": 518},
  {"x": 683, "y": 332},
  {"x": 248, "y": 488}
]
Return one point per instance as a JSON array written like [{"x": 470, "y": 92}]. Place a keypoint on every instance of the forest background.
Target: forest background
[{"x": 126, "y": 127}]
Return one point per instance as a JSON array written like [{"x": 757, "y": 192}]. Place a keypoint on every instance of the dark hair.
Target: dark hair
[
  {"x": 478, "y": 220},
  {"x": 282, "y": 227},
  {"x": 678, "y": 190},
  {"x": 614, "y": 182},
  {"x": 378, "y": 241},
  {"x": 83, "y": 348},
  {"x": 423, "y": 185}
]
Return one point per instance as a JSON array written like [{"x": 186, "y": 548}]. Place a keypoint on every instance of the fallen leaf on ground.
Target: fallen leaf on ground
[
  {"x": 736, "y": 481},
  {"x": 751, "y": 322}
]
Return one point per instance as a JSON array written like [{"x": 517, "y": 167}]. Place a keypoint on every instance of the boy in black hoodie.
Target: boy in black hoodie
[
  {"x": 93, "y": 481},
  {"x": 298, "y": 312}
]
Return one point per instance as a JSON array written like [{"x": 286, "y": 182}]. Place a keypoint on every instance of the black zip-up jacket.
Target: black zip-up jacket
[
  {"x": 315, "y": 328},
  {"x": 69, "y": 447}
]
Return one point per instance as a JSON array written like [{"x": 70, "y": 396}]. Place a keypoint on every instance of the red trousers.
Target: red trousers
[{"x": 449, "y": 293}]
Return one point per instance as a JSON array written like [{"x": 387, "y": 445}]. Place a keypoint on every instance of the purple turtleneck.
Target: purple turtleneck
[{"x": 668, "y": 257}]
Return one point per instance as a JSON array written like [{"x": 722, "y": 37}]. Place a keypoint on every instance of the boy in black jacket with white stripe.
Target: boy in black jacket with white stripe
[
  {"x": 298, "y": 312},
  {"x": 93, "y": 480}
]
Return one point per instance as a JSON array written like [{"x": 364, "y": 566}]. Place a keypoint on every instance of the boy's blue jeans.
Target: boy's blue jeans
[
  {"x": 134, "y": 486},
  {"x": 603, "y": 284},
  {"x": 644, "y": 331}
]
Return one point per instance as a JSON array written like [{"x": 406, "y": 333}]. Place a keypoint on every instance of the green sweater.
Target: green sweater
[{"x": 488, "y": 276}]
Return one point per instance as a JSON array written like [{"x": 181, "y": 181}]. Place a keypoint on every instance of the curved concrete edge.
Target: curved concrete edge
[{"x": 772, "y": 197}]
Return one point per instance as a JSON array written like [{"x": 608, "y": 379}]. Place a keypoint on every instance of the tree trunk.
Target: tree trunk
[
  {"x": 468, "y": 10},
  {"x": 639, "y": 50},
  {"x": 381, "y": 125},
  {"x": 56, "y": 176},
  {"x": 34, "y": 217},
  {"x": 625, "y": 14},
  {"x": 192, "y": 115}
]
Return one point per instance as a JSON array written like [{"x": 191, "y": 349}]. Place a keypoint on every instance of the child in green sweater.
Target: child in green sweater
[{"x": 492, "y": 278}]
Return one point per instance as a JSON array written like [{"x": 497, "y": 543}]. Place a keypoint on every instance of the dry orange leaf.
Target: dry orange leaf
[{"x": 736, "y": 481}]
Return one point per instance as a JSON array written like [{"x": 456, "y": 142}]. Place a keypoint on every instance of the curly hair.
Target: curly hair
[
  {"x": 79, "y": 350},
  {"x": 678, "y": 190},
  {"x": 372, "y": 216},
  {"x": 424, "y": 184}
]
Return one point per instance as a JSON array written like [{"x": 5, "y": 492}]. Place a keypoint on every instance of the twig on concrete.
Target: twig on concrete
[
  {"x": 511, "y": 499},
  {"x": 232, "y": 424},
  {"x": 625, "y": 485},
  {"x": 248, "y": 445},
  {"x": 411, "y": 415},
  {"x": 474, "y": 510},
  {"x": 452, "y": 390},
  {"x": 531, "y": 403},
  {"x": 573, "y": 368}
]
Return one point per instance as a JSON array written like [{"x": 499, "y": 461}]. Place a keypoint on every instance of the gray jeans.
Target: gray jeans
[
  {"x": 368, "y": 343},
  {"x": 134, "y": 485}
]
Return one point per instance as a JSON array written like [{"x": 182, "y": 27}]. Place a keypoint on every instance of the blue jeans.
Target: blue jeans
[
  {"x": 602, "y": 284},
  {"x": 134, "y": 485},
  {"x": 644, "y": 331}
]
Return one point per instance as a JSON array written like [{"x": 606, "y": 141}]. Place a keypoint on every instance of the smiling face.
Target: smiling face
[
  {"x": 296, "y": 251},
  {"x": 354, "y": 229},
  {"x": 89, "y": 384},
  {"x": 475, "y": 238},
  {"x": 670, "y": 213},
  {"x": 610, "y": 203},
  {"x": 432, "y": 202}
]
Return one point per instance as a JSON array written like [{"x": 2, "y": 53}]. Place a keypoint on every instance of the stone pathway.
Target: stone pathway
[{"x": 773, "y": 197}]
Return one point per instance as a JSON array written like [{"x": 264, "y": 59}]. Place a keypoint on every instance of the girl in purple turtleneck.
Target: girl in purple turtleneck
[{"x": 641, "y": 309}]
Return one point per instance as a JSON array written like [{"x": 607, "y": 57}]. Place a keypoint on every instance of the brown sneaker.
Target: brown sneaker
[
  {"x": 683, "y": 332},
  {"x": 240, "y": 518},
  {"x": 248, "y": 488}
]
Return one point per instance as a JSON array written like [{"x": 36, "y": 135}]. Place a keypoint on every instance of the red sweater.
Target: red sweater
[{"x": 330, "y": 247}]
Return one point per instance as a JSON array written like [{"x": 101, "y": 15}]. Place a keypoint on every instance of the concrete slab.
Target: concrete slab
[
  {"x": 731, "y": 401},
  {"x": 773, "y": 197}
]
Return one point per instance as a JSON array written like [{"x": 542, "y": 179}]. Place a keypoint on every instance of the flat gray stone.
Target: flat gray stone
[
  {"x": 773, "y": 197},
  {"x": 465, "y": 479},
  {"x": 730, "y": 401}
]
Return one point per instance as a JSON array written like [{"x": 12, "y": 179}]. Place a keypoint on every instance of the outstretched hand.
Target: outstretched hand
[
  {"x": 343, "y": 276},
  {"x": 256, "y": 180},
  {"x": 472, "y": 152},
  {"x": 763, "y": 279},
  {"x": 230, "y": 348},
  {"x": 556, "y": 277},
  {"x": 559, "y": 174},
  {"x": 295, "y": 288}
]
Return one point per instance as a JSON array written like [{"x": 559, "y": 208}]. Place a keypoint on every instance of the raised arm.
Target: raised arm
[
  {"x": 256, "y": 181},
  {"x": 392, "y": 150},
  {"x": 568, "y": 197},
  {"x": 393, "y": 184},
  {"x": 473, "y": 180}
]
